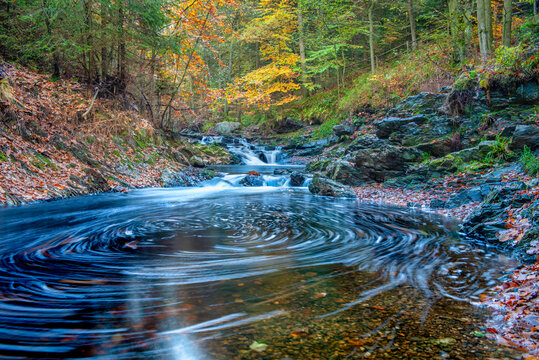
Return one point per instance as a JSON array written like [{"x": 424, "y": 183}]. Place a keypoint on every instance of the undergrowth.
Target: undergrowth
[{"x": 529, "y": 161}]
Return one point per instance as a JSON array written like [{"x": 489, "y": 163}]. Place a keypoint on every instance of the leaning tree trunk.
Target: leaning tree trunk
[
  {"x": 412, "y": 23},
  {"x": 507, "y": 22},
  {"x": 371, "y": 36}
]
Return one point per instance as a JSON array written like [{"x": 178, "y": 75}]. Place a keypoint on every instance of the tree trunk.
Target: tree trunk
[
  {"x": 302, "y": 49},
  {"x": 55, "y": 57},
  {"x": 92, "y": 70},
  {"x": 490, "y": 33},
  {"x": 371, "y": 36},
  {"x": 507, "y": 22},
  {"x": 412, "y": 23},
  {"x": 104, "y": 55},
  {"x": 483, "y": 32},
  {"x": 456, "y": 34},
  {"x": 122, "y": 67}
]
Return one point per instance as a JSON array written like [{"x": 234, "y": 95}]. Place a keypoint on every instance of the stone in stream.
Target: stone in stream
[
  {"x": 297, "y": 179},
  {"x": 253, "y": 179}
]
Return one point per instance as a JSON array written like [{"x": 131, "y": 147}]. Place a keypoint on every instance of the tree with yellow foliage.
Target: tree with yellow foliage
[{"x": 274, "y": 82}]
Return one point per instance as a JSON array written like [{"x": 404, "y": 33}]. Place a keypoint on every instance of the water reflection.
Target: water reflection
[{"x": 202, "y": 273}]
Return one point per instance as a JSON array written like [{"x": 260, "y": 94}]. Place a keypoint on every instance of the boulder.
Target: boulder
[
  {"x": 197, "y": 162},
  {"x": 254, "y": 179},
  {"x": 343, "y": 130},
  {"x": 525, "y": 135},
  {"x": 297, "y": 179},
  {"x": 345, "y": 172},
  {"x": 391, "y": 125},
  {"x": 528, "y": 93},
  {"x": 288, "y": 125},
  {"x": 385, "y": 162},
  {"x": 227, "y": 128},
  {"x": 327, "y": 187}
]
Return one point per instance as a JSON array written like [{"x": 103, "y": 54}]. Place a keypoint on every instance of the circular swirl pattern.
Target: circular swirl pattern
[{"x": 92, "y": 276}]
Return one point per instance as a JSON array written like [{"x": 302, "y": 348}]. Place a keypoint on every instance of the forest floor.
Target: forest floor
[{"x": 49, "y": 150}]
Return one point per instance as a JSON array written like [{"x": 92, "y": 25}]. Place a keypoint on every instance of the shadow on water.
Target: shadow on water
[{"x": 207, "y": 272}]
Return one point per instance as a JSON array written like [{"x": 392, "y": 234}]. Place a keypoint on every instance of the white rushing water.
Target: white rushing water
[{"x": 250, "y": 154}]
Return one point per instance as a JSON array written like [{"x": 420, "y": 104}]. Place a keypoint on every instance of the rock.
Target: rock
[
  {"x": 528, "y": 93},
  {"x": 427, "y": 103},
  {"x": 95, "y": 182},
  {"x": 343, "y": 130},
  {"x": 227, "y": 128},
  {"x": 327, "y": 187},
  {"x": 197, "y": 162},
  {"x": 439, "y": 204},
  {"x": 282, "y": 171},
  {"x": 345, "y": 172},
  {"x": 437, "y": 148},
  {"x": 391, "y": 125},
  {"x": 379, "y": 164},
  {"x": 252, "y": 180},
  {"x": 486, "y": 222},
  {"x": 185, "y": 178},
  {"x": 297, "y": 179},
  {"x": 525, "y": 135},
  {"x": 288, "y": 125}
]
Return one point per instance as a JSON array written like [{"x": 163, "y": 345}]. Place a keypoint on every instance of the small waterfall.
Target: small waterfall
[
  {"x": 250, "y": 154},
  {"x": 238, "y": 180}
]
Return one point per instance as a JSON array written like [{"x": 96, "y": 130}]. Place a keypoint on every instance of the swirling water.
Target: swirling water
[{"x": 203, "y": 273}]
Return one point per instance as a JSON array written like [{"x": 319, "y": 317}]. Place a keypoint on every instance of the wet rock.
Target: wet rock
[
  {"x": 327, "y": 187},
  {"x": 95, "y": 182},
  {"x": 487, "y": 220},
  {"x": 186, "y": 178},
  {"x": 343, "y": 130},
  {"x": 282, "y": 171},
  {"x": 253, "y": 179},
  {"x": 227, "y": 128},
  {"x": 297, "y": 179}
]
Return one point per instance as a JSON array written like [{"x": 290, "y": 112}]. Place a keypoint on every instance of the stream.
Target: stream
[{"x": 225, "y": 271}]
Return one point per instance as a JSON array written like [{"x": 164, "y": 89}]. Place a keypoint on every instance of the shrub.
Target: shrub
[
  {"x": 529, "y": 161},
  {"x": 207, "y": 127},
  {"x": 500, "y": 150},
  {"x": 325, "y": 130}
]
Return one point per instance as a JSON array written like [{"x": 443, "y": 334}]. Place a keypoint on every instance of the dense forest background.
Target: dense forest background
[{"x": 193, "y": 63}]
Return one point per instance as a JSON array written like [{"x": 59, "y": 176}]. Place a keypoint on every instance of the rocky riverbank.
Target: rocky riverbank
[{"x": 475, "y": 159}]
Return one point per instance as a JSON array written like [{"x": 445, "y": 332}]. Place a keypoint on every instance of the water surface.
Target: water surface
[{"x": 205, "y": 273}]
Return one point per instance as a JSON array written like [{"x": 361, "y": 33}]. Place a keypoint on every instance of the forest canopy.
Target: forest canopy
[{"x": 187, "y": 63}]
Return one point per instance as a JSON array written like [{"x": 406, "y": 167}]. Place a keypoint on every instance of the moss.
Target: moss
[
  {"x": 3, "y": 157},
  {"x": 41, "y": 162},
  {"x": 319, "y": 165}
]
